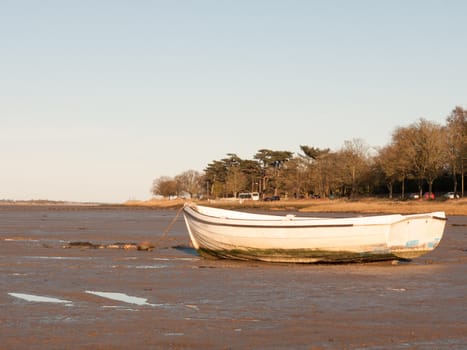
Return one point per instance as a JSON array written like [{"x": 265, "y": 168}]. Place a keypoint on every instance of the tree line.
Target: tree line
[{"x": 418, "y": 154}]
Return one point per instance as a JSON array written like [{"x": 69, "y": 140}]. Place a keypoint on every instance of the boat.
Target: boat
[{"x": 229, "y": 234}]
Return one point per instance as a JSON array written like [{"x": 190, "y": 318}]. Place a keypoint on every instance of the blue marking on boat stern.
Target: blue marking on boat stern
[
  {"x": 411, "y": 244},
  {"x": 434, "y": 243}
]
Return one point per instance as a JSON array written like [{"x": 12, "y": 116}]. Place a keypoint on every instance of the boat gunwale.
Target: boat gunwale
[
  {"x": 287, "y": 223},
  {"x": 237, "y": 223},
  {"x": 438, "y": 218}
]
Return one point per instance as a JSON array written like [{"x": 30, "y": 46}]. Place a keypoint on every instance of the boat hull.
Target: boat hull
[{"x": 217, "y": 233}]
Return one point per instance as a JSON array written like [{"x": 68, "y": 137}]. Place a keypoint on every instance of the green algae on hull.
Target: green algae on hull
[{"x": 296, "y": 255}]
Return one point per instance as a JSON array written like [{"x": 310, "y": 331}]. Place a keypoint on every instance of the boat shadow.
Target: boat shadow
[{"x": 186, "y": 249}]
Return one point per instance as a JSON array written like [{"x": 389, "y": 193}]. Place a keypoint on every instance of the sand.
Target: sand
[{"x": 54, "y": 297}]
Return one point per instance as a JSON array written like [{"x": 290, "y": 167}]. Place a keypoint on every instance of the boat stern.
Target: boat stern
[{"x": 416, "y": 235}]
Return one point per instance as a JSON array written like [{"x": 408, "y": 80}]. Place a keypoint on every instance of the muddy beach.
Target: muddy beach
[{"x": 57, "y": 296}]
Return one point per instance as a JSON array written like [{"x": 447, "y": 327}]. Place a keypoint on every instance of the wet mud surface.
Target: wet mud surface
[{"x": 53, "y": 296}]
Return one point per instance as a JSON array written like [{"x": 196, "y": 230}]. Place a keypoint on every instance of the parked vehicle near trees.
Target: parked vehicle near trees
[
  {"x": 451, "y": 195},
  {"x": 429, "y": 195},
  {"x": 272, "y": 198},
  {"x": 249, "y": 196}
]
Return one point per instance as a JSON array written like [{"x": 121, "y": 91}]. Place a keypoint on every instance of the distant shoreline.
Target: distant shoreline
[{"x": 456, "y": 207}]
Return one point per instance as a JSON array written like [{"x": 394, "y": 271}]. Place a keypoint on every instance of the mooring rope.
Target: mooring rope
[{"x": 169, "y": 227}]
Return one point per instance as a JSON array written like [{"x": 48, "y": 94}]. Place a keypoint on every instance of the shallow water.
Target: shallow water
[
  {"x": 121, "y": 297},
  {"x": 38, "y": 298},
  {"x": 212, "y": 304}
]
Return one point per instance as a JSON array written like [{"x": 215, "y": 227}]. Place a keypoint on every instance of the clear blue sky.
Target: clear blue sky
[{"x": 98, "y": 98}]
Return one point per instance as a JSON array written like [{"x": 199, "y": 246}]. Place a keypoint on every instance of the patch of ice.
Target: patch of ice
[
  {"x": 39, "y": 299},
  {"x": 20, "y": 240}
]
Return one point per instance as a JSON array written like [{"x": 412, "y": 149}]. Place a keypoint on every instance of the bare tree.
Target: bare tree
[
  {"x": 190, "y": 181},
  {"x": 456, "y": 143},
  {"x": 355, "y": 156},
  {"x": 387, "y": 162},
  {"x": 422, "y": 144},
  {"x": 394, "y": 161},
  {"x": 164, "y": 186}
]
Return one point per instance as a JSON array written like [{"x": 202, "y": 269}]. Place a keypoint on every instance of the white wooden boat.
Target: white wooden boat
[{"x": 232, "y": 234}]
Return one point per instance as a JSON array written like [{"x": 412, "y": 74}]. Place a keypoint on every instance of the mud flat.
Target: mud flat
[{"x": 57, "y": 296}]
